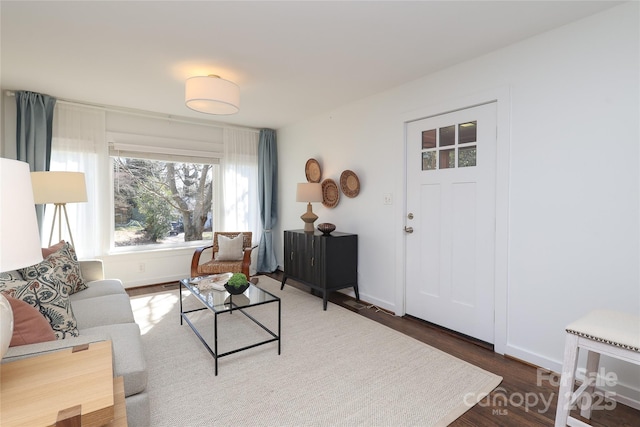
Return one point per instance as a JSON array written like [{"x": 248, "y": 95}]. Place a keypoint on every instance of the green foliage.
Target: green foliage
[
  {"x": 237, "y": 280},
  {"x": 157, "y": 215}
]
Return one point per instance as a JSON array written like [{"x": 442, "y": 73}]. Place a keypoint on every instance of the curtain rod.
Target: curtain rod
[{"x": 147, "y": 114}]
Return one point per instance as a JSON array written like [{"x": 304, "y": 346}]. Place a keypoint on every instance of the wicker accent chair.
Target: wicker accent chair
[{"x": 214, "y": 266}]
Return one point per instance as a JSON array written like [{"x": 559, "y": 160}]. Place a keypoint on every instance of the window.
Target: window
[
  {"x": 435, "y": 156},
  {"x": 159, "y": 203}
]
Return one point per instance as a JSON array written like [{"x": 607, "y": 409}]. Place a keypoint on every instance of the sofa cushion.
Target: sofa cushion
[
  {"x": 104, "y": 310},
  {"x": 29, "y": 326},
  {"x": 60, "y": 269},
  {"x": 100, "y": 288},
  {"x": 128, "y": 354},
  {"x": 138, "y": 410},
  {"x": 52, "y": 302}
]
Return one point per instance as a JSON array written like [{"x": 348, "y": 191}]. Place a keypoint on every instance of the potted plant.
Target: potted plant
[{"x": 237, "y": 284}]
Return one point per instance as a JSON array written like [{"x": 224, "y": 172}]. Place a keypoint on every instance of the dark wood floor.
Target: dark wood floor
[{"x": 520, "y": 400}]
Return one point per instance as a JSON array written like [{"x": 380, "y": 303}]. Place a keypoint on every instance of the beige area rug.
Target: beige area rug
[{"x": 336, "y": 368}]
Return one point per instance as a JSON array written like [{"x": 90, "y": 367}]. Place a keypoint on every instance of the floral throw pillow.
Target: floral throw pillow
[
  {"x": 60, "y": 269},
  {"x": 52, "y": 302}
]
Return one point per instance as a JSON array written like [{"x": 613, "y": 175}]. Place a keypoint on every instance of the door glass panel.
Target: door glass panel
[
  {"x": 429, "y": 139},
  {"x": 447, "y": 159},
  {"x": 467, "y": 156},
  {"x": 467, "y": 132},
  {"x": 447, "y": 136},
  {"x": 428, "y": 160},
  {"x": 442, "y": 146}
]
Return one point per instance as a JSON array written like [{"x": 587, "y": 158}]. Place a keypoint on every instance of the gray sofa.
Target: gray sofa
[{"x": 103, "y": 312}]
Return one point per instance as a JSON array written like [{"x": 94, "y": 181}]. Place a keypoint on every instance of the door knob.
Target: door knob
[{"x": 408, "y": 230}]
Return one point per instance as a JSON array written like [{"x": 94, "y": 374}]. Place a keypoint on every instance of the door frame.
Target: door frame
[{"x": 502, "y": 97}]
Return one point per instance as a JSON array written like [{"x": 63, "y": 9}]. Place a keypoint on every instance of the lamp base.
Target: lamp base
[
  {"x": 309, "y": 218},
  {"x": 6, "y": 325}
]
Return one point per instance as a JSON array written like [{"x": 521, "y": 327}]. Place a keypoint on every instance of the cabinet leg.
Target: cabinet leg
[
  {"x": 324, "y": 300},
  {"x": 355, "y": 289},
  {"x": 284, "y": 279}
]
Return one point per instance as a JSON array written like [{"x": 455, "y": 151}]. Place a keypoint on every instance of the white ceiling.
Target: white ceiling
[{"x": 290, "y": 59}]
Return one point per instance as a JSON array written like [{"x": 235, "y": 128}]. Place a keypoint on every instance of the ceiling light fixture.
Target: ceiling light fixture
[{"x": 212, "y": 95}]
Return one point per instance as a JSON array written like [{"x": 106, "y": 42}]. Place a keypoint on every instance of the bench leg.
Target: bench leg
[
  {"x": 593, "y": 360},
  {"x": 567, "y": 380}
]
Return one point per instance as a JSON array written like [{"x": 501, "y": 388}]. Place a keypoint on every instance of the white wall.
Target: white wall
[{"x": 572, "y": 231}]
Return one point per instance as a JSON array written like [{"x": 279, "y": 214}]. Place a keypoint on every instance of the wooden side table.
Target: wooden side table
[{"x": 74, "y": 386}]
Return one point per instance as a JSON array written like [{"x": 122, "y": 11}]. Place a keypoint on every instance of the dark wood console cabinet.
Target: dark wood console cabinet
[{"x": 323, "y": 262}]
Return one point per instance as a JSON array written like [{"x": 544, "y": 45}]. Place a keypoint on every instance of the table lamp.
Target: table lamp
[
  {"x": 59, "y": 188},
  {"x": 309, "y": 192},
  {"x": 19, "y": 236}
]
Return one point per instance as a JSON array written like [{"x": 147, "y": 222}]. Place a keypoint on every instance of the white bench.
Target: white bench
[{"x": 606, "y": 332}]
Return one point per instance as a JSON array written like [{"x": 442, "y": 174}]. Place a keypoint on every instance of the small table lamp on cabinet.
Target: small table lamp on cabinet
[
  {"x": 309, "y": 192},
  {"x": 59, "y": 188}
]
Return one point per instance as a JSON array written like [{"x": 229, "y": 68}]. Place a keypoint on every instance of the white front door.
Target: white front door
[{"x": 451, "y": 169}]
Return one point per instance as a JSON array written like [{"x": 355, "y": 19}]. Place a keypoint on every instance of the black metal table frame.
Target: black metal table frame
[{"x": 230, "y": 310}]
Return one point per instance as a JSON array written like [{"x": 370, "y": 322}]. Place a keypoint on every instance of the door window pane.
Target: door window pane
[
  {"x": 447, "y": 136},
  {"x": 429, "y": 139},
  {"x": 467, "y": 157},
  {"x": 440, "y": 146},
  {"x": 428, "y": 160},
  {"x": 447, "y": 159},
  {"x": 467, "y": 132}
]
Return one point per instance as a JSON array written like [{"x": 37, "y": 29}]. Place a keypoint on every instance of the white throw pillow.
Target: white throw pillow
[{"x": 230, "y": 249}]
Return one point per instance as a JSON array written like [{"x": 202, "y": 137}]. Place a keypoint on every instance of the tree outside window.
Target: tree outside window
[{"x": 161, "y": 203}]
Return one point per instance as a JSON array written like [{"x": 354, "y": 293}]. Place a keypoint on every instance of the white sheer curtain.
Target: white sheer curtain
[
  {"x": 240, "y": 209},
  {"x": 78, "y": 138}
]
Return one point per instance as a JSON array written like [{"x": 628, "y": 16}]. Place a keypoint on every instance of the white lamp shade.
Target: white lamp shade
[
  {"x": 309, "y": 192},
  {"x": 58, "y": 187},
  {"x": 212, "y": 95},
  {"x": 19, "y": 235}
]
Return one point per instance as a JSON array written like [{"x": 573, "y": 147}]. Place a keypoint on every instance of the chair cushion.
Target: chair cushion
[
  {"x": 610, "y": 327},
  {"x": 217, "y": 267},
  {"x": 230, "y": 249}
]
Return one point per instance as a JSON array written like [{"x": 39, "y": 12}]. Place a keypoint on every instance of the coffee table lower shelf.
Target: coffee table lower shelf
[{"x": 221, "y": 302}]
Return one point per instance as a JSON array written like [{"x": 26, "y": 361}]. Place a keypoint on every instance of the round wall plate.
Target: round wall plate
[
  {"x": 330, "y": 193},
  {"x": 312, "y": 171},
  {"x": 349, "y": 183}
]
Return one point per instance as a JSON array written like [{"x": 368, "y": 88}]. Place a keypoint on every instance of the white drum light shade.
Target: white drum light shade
[{"x": 212, "y": 95}]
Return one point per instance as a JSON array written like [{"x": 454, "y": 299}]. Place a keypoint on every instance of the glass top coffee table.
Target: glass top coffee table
[{"x": 207, "y": 291}]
